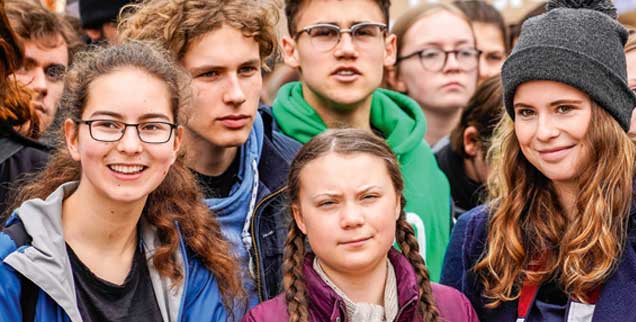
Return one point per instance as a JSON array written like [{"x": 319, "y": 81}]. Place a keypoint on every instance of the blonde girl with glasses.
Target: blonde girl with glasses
[
  {"x": 345, "y": 190},
  {"x": 437, "y": 69},
  {"x": 114, "y": 228}
]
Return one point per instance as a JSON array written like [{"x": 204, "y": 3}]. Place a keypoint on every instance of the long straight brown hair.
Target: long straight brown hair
[
  {"x": 346, "y": 142},
  {"x": 527, "y": 223}
]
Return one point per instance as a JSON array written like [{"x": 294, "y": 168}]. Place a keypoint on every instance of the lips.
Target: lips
[
  {"x": 555, "y": 153},
  {"x": 355, "y": 242},
  {"x": 234, "y": 121},
  {"x": 452, "y": 85},
  {"x": 346, "y": 73},
  {"x": 127, "y": 168}
]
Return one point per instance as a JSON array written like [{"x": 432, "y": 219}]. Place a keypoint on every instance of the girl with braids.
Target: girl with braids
[
  {"x": 557, "y": 241},
  {"x": 114, "y": 228},
  {"x": 345, "y": 189}
]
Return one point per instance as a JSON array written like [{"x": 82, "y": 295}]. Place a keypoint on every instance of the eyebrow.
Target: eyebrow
[
  {"x": 206, "y": 67},
  {"x": 438, "y": 44},
  {"x": 119, "y": 116},
  {"x": 555, "y": 103},
  {"x": 353, "y": 23}
]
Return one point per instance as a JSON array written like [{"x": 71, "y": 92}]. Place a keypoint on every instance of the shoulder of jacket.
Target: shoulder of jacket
[{"x": 274, "y": 309}]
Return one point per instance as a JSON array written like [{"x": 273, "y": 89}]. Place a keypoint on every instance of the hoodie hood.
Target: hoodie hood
[{"x": 397, "y": 116}]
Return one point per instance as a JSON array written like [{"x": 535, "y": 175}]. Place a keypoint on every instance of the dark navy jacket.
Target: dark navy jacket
[
  {"x": 617, "y": 301},
  {"x": 270, "y": 222}
]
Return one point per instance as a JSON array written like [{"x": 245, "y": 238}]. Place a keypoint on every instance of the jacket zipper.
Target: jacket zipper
[
  {"x": 401, "y": 310},
  {"x": 257, "y": 269}
]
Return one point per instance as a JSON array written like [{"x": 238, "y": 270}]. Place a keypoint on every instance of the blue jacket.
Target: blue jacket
[
  {"x": 616, "y": 303},
  {"x": 253, "y": 217},
  {"x": 45, "y": 262}
]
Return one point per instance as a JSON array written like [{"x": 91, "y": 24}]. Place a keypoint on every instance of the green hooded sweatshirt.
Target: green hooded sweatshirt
[{"x": 402, "y": 123}]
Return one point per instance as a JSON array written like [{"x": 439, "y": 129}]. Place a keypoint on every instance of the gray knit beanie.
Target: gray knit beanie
[{"x": 578, "y": 43}]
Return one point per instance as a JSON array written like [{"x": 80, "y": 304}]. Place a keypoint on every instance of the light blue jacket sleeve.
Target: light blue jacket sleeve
[{"x": 203, "y": 301}]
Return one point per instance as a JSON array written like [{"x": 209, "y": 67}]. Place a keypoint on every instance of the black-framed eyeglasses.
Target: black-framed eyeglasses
[
  {"x": 325, "y": 36},
  {"x": 434, "y": 59},
  {"x": 112, "y": 131}
]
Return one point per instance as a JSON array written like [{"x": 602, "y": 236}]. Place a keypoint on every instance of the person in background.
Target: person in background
[
  {"x": 20, "y": 152},
  {"x": 49, "y": 42},
  {"x": 438, "y": 70},
  {"x": 340, "y": 49},
  {"x": 556, "y": 241},
  {"x": 232, "y": 146},
  {"x": 491, "y": 34},
  {"x": 114, "y": 229},
  {"x": 345, "y": 190},
  {"x": 464, "y": 159},
  {"x": 99, "y": 20},
  {"x": 466, "y": 164}
]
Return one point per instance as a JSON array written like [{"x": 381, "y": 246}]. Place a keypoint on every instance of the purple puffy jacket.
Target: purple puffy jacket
[{"x": 327, "y": 306}]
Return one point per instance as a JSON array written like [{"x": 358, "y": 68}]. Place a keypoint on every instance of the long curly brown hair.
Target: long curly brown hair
[
  {"x": 177, "y": 200},
  {"x": 527, "y": 224},
  {"x": 348, "y": 141}
]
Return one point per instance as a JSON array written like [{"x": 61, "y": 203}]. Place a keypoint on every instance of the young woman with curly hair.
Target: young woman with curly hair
[
  {"x": 557, "y": 241},
  {"x": 114, "y": 228},
  {"x": 345, "y": 190}
]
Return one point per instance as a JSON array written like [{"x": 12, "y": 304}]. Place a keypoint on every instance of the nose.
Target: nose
[
  {"x": 234, "y": 94},
  {"x": 546, "y": 128},
  {"x": 352, "y": 216},
  {"x": 37, "y": 81},
  {"x": 130, "y": 142},
  {"x": 451, "y": 64},
  {"x": 345, "y": 48}
]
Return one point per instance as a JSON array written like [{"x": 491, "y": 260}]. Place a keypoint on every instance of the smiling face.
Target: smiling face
[
  {"x": 348, "y": 208},
  {"x": 490, "y": 40},
  {"x": 127, "y": 170},
  {"x": 346, "y": 75},
  {"x": 451, "y": 87},
  {"x": 45, "y": 61},
  {"x": 551, "y": 124},
  {"x": 226, "y": 82}
]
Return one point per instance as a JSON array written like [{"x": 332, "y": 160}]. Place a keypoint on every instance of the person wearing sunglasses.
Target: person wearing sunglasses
[
  {"x": 341, "y": 49},
  {"x": 437, "y": 69}
]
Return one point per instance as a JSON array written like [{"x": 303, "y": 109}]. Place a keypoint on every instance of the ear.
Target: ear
[
  {"x": 71, "y": 131},
  {"x": 290, "y": 51},
  {"x": 471, "y": 141},
  {"x": 178, "y": 139},
  {"x": 393, "y": 79},
  {"x": 398, "y": 208},
  {"x": 390, "y": 50},
  {"x": 298, "y": 218}
]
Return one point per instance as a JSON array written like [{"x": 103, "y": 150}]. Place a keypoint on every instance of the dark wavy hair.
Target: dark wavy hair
[
  {"x": 177, "y": 200},
  {"x": 348, "y": 141}
]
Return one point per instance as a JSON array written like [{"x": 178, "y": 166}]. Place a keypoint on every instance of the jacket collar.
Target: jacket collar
[{"x": 326, "y": 305}]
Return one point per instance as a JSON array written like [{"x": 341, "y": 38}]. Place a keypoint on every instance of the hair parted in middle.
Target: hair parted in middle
[
  {"x": 346, "y": 142},
  {"x": 176, "y": 24},
  {"x": 413, "y": 15},
  {"x": 527, "y": 224},
  {"x": 177, "y": 200}
]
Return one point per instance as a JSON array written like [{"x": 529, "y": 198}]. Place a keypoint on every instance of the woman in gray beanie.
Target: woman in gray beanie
[{"x": 556, "y": 242}]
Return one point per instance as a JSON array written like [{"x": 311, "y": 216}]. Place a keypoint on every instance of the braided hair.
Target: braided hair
[{"x": 348, "y": 141}]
